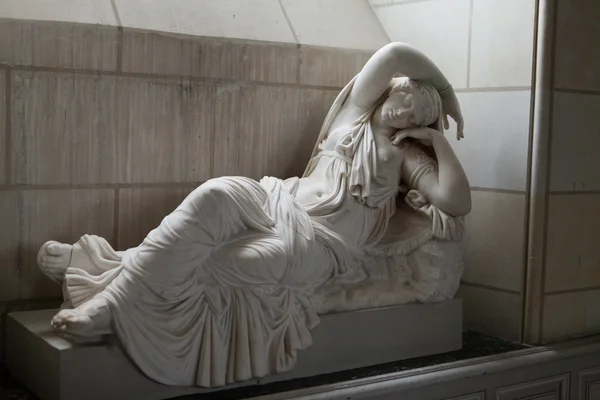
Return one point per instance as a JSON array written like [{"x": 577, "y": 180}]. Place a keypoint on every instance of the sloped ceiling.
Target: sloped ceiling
[{"x": 335, "y": 23}]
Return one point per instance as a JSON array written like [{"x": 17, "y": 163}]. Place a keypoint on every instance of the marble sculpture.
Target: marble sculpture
[{"x": 230, "y": 284}]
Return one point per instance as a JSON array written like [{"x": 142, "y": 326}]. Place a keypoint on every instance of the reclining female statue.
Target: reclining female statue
[{"x": 222, "y": 290}]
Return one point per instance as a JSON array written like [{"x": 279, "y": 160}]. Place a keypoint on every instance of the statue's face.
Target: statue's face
[{"x": 401, "y": 111}]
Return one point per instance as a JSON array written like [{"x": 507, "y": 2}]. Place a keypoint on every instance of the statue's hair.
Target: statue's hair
[{"x": 430, "y": 102}]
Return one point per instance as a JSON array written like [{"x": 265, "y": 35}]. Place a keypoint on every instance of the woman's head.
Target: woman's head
[{"x": 411, "y": 104}]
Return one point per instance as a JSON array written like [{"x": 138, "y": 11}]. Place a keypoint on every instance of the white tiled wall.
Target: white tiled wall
[
  {"x": 335, "y": 23},
  {"x": 83, "y": 11},
  {"x": 575, "y": 142},
  {"x": 494, "y": 150},
  {"x": 439, "y": 28},
  {"x": 250, "y": 19},
  {"x": 502, "y": 43},
  {"x": 495, "y": 240}
]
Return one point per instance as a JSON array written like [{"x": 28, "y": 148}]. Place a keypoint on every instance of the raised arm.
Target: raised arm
[
  {"x": 391, "y": 59},
  {"x": 446, "y": 186},
  {"x": 397, "y": 57}
]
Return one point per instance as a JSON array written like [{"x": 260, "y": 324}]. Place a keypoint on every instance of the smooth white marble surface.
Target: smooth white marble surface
[
  {"x": 335, "y": 23},
  {"x": 494, "y": 152},
  {"x": 249, "y": 19},
  {"x": 502, "y": 43},
  {"x": 83, "y": 11},
  {"x": 439, "y": 28}
]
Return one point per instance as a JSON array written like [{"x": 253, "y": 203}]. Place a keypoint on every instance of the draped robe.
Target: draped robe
[{"x": 223, "y": 289}]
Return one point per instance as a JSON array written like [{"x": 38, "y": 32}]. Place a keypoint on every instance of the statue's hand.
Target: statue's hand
[
  {"x": 423, "y": 135},
  {"x": 451, "y": 107}
]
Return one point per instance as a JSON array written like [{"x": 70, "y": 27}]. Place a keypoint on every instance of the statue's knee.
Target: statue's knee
[{"x": 216, "y": 191}]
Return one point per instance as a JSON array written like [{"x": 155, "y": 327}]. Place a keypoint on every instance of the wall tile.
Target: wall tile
[
  {"x": 330, "y": 67},
  {"x": 218, "y": 18},
  {"x": 494, "y": 150},
  {"x": 142, "y": 209},
  {"x": 84, "y": 11},
  {"x": 575, "y": 142},
  {"x": 577, "y": 64},
  {"x": 438, "y": 28},
  {"x": 62, "y": 215},
  {"x": 3, "y": 133},
  {"x": 82, "y": 129},
  {"x": 156, "y": 53},
  {"x": 495, "y": 240},
  {"x": 491, "y": 312},
  {"x": 58, "y": 45},
  {"x": 335, "y": 23},
  {"x": 570, "y": 315},
  {"x": 9, "y": 237},
  {"x": 258, "y": 130},
  {"x": 502, "y": 43},
  {"x": 573, "y": 254}
]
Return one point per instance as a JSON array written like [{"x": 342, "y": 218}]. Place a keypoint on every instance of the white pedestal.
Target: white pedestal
[{"x": 55, "y": 369}]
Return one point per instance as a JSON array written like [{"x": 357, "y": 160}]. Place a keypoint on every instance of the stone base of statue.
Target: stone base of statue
[{"x": 56, "y": 369}]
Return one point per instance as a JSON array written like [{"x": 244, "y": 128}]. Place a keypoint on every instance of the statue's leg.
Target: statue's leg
[
  {"x": 88, "y": 321},
  {"x": 208, "y": 218}
]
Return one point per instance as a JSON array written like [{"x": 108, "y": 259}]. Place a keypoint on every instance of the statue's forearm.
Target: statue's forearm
[
  {"x": 416, "y": 65},
  {"x": 454, "y": 191},
  {"x": 394, "y": 58}
]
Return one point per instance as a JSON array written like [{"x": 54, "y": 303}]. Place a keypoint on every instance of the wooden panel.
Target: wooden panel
[
  {"x": 3, "y": 133},
  {"x": 62, "y": 215},
  {"x": 330, "y": 67},
  {"x": 83, "y": 129},
  {"x": 62, "y": 45},
  {"x": 314, "y": 105},
  {"x": 589, "y": 384},
  {"x": 472, "y": 396},
  {"x": 63, "y": 128},
  {"x": 156, "y": 53},
  {"x": 573, "y": 254},
  {"x": 257, "y": 130},
  {"x": 569, "y": 315},
  {"x": 280, "y": 141},
  {"x": 577, "y": 31},
  {"x": 9, "y": 271},
  {"x": 141, "y": 210},
  {"x": 165, "y": 130},
  {"x": 553, "y": 388}
]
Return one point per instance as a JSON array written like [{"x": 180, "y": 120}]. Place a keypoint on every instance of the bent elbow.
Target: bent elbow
[
  {"x": 457, "y": 204},
  {"x": 399, "y": 49}
]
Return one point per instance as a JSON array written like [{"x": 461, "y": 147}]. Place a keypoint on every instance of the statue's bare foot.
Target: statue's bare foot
[
  {"x": 87, "y": 322},
  {"x": 53, "y": 259}
]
